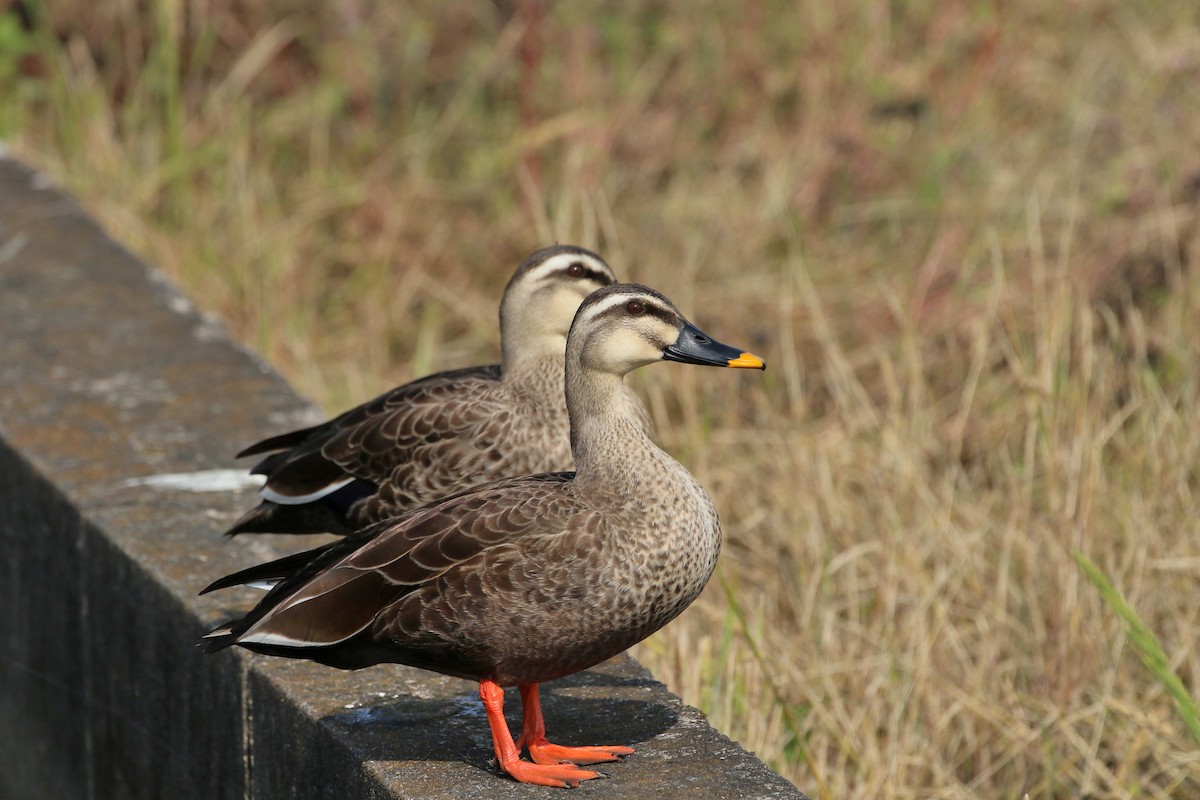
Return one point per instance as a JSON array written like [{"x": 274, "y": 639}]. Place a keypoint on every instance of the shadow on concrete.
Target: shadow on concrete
[{"x": 400, "y": 730}]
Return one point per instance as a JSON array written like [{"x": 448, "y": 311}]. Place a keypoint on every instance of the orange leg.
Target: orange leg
[
  {"x": 566, "y": 776},
  {"x": 533, "y": 736}
]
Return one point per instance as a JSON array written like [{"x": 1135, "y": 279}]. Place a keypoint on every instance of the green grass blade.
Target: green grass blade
[
  {"x": 1153, "y": 655},
  {"x": 795, "y": 747}
]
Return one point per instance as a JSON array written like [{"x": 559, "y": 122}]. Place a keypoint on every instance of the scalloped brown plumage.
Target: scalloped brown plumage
[
  {"x": 526, "y": 579},
  {"x": 443, "y": 432}
]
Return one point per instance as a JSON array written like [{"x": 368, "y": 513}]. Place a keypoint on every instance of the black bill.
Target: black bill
[{"x": 695, "y": 347}]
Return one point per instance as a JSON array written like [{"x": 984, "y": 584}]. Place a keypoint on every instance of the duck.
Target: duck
[
  {"x": 527, "y": 579},
  {"x": 444, "y": 432}
]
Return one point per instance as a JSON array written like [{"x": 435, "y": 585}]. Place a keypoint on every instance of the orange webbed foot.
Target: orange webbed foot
[
  {"x": 544, "y": 752},
  {"x": 508, "y": 752},
  {"x": 563, "y": 776}
]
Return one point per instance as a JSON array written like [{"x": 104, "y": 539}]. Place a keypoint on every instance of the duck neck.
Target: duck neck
[
  {"x": 536, "y": 369},
  {"x": 528, "y": 345},
  {"x": 605, "y": 437}
]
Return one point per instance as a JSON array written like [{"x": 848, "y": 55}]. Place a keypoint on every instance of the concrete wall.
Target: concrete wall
[{"x": 109, "y": 378}]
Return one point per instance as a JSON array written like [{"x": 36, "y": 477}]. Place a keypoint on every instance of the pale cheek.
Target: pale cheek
[
  {"x": 561, "y": 310},
  {"x": 631, "y": 350}
]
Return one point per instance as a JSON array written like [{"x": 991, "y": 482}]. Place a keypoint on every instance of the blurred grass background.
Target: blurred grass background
[{"x": 964, "y": 235}]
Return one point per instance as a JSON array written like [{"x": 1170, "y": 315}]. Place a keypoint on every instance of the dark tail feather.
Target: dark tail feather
[
  {"x": 268, "y": 517},
  {"x": 217, "y": 639},
  {"x": 271, "y": 463},
  {"x": 291, "y": 571},
  {"x": 276, "y": 570},
  {"x": 284, "y": 441}
]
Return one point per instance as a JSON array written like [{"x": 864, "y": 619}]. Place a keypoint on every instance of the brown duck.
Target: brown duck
[
  {"x": 527, "y": 579},
  {"x": 444, "y": 432}
]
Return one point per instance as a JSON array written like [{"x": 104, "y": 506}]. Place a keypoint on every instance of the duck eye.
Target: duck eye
[
  {"x": 576, "y": 270},
  {"x": 635, "y": 308}
]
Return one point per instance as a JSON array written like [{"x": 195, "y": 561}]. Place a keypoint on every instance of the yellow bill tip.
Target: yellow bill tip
[{"x": 747, "y": 361}]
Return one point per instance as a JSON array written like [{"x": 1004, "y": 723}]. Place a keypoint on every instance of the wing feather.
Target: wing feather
[
  {"x": 367, "y": 441},
  {"x": 380, "y": 570}
]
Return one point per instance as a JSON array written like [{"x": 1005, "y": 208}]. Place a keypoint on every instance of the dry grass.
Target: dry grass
[{"x": 965, "y": 237}]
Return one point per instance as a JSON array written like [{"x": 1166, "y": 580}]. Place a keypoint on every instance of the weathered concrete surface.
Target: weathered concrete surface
[{"x": 108, "y": 374}]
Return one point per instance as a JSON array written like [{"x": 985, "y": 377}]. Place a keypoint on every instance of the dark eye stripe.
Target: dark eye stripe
[
  {"x": 594, "y": 274},
  {"x": 652, "y": 309},
  {"x": 662, "y": 313}
]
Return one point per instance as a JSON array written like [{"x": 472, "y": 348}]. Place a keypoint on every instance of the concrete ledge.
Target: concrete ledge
[{"x": 108, "y": 375}]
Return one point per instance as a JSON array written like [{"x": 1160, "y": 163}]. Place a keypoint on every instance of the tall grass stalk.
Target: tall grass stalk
[
  {"x": 1147, "y": 644},
  {"x": 794, "y": 748}
]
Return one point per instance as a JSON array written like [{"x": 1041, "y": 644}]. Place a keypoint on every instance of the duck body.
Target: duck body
[
  {"x": 416, "y": 443},
  {"x": 526, "y": 579},
  {"x": 519, "y": 581},
  {"x": 425, "y": 439}
]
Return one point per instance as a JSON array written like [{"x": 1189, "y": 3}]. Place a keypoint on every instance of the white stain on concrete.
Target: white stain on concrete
[
  {"x": 208, "y": 480},
  {"x": 12, "y": 247}
]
